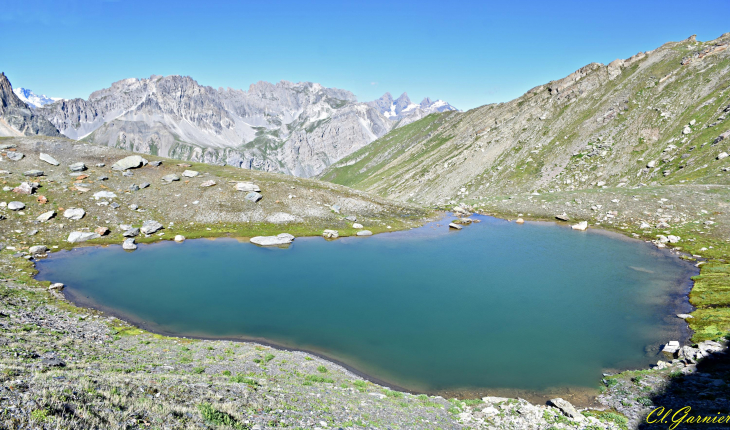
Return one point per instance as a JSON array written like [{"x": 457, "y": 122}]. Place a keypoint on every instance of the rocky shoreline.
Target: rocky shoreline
[
  {"x": 490, "y": 408},
  {"x": 66, "y": 367}
]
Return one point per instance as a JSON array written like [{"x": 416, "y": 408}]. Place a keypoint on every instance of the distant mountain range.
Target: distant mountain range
[
  {"x": 295, "y": 128},
  {"x": 32, "y": 99},
  {"x": 404, "y": 111}
]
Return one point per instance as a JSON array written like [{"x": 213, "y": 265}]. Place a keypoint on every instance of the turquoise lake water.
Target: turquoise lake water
[{"x": 496, "y": 305}]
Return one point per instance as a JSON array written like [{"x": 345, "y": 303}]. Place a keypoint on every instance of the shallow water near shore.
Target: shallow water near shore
[{"x": 494, "y": 307}]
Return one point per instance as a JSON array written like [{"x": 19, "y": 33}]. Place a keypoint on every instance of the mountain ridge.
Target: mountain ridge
[{"x": 294, "y": 128}]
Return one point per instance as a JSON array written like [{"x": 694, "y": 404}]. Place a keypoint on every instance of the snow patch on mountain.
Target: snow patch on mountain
[
  {"x": 405, "y": 111},
  {"x": 32, "y": 99}
]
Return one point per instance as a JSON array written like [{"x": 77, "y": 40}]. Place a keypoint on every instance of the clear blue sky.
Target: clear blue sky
[{"x": 468, "y": 53}]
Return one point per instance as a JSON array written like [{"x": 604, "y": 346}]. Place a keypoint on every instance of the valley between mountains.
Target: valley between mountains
[{"x": 639, "y": 146}]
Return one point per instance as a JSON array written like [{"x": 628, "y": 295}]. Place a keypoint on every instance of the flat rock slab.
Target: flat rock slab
[
  {"x": 48, "y": 159},
  {"x": 208, "y": 183},
  {"x": 671, "y": 347},
  {"x": 81, "y": 236},
  {"x": 16, "y": 206},
  {"x": 15, "y": 156},
  {"x": 247, "y": 186},
  {"x": 34, "y": 173},
  {"x": 132, "y": 232},
  {"x": 280, "y": 239},
  {"x": 364, "y": 233},
  {"x": 455, "y": 226},
  {"x": 77, "y": 167},
  {"x": 46, "y": 216},
  {"x": 171, "y": 178},
  {"x": 253, "y": 197},
  {"x": 131, "y": 162},
  {"x": 149, "y": 227},
  {"x": 190, "y": 173},
  {"x": 104, "y": 195},
  {"x": 74, "y": 214}
]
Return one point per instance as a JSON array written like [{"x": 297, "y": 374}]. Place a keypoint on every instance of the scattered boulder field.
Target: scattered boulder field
[{"x": 83, "y": 187}]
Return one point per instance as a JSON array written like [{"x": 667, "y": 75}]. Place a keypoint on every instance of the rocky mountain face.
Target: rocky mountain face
[
  {"x": 32, "y": 99},
  {"x": 17, "y": 118},
  {"x": 294, "y": 128},
  {"x": 659, "y": 117},
  {"x": 403, "y": 111}
]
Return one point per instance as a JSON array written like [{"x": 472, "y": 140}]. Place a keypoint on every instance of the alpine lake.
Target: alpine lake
[{"x": 496, "y": 308}]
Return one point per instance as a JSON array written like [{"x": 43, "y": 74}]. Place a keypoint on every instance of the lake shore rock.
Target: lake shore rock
[{"x": 280, "y": 239}]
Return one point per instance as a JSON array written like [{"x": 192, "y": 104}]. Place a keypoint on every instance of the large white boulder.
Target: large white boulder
[
  {"x": 582, "y": 226},
  {"x": 129, "y": 244},
  {"x": 149, "y": 227},
  {"x": 81, "y": 236},
  {"x": 247, "y": 186},
  {"x": 48, "y": 159},
  {"x": 104, "y": 195},
  {"x": 330, "y": 234},
  {"x": 16, "y": 206},
  {"x": 280, "y": 239},
  {"x": 74, "y": 214},
  {"x": 131, "y": 162}
]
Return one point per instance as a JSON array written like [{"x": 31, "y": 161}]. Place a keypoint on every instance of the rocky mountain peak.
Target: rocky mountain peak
[
  {"x": 402, "y": 103},
  {"x": 17, "y": 118},
  {"x": 405, "y": 111}
]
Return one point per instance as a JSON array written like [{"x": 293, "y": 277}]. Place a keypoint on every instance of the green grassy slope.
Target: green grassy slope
[{"x": 601, "y": 124}]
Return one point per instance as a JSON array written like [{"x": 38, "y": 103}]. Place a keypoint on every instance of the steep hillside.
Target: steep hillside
[
  {"x": 659, "y": 117},
  {"x": 17, "y": 118}
]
